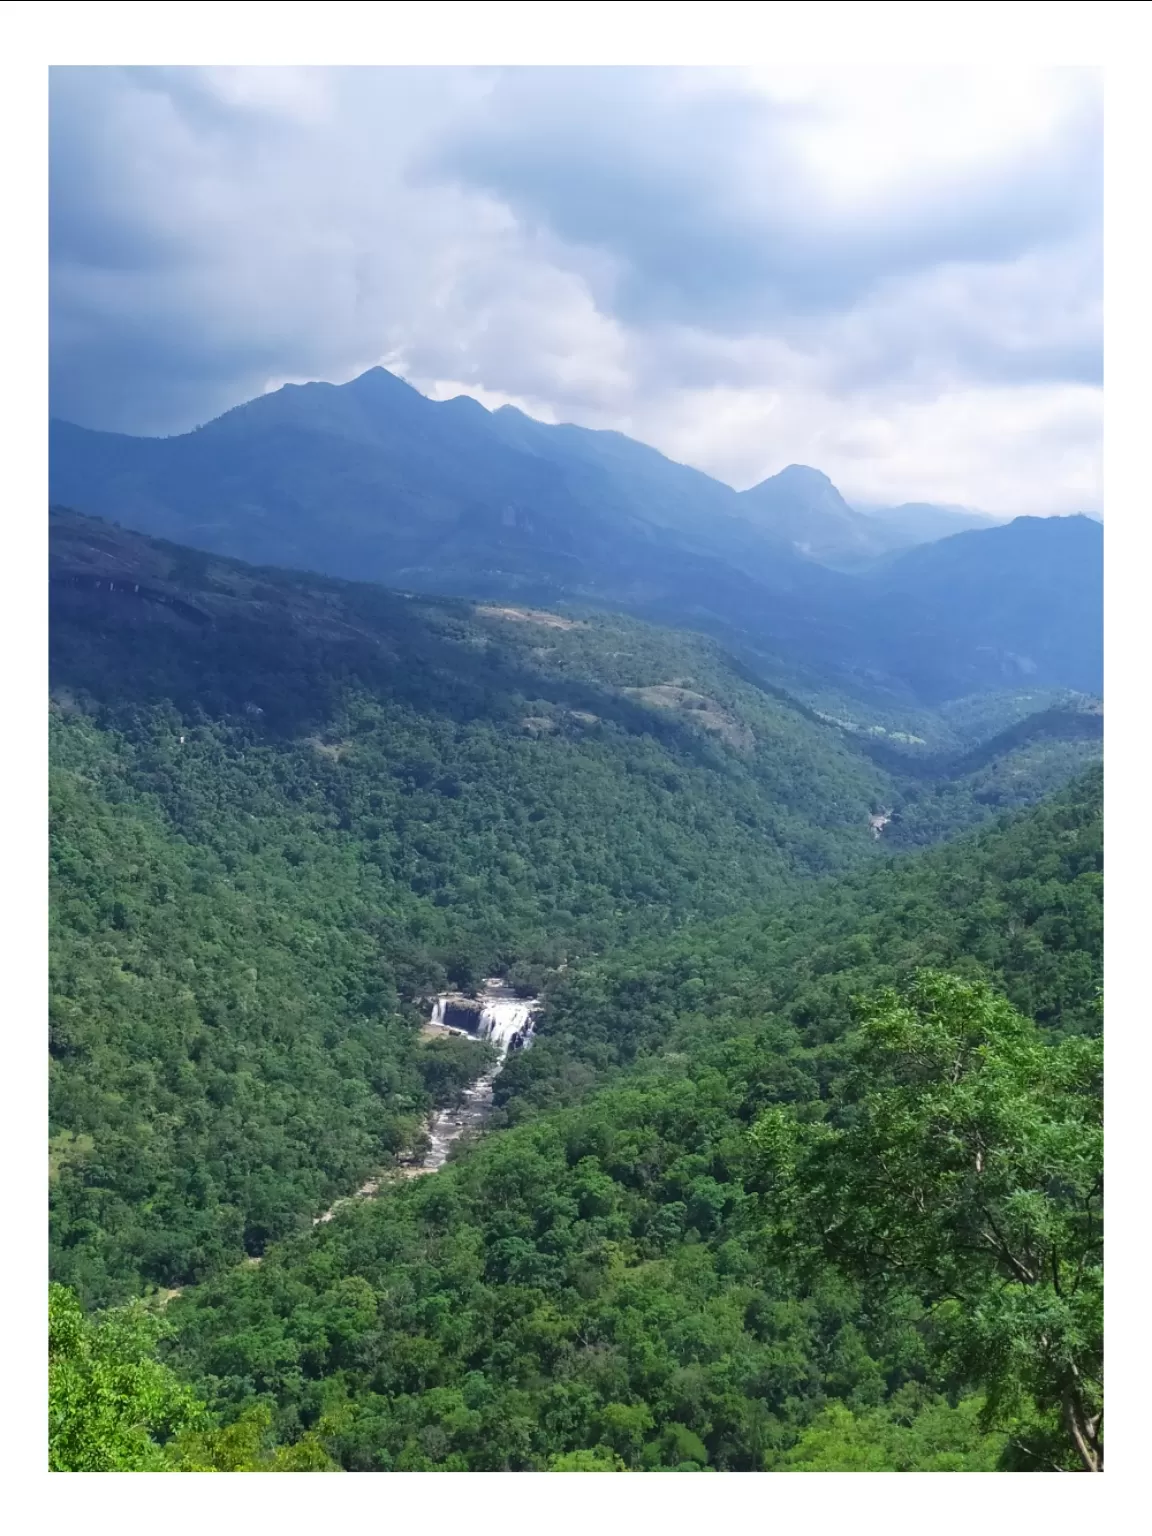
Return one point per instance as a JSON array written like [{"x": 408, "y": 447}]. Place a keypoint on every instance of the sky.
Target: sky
[{"x": 892, "y": 275}]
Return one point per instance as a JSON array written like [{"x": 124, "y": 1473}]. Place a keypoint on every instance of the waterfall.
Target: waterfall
[
  {"x": 501, "y": 1017},
  {"x": 505, "y": 1019}
]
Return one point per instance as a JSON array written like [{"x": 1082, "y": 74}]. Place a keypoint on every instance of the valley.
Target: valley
[
  {"x": 505, "y": 1019},
  {"x": 498, "y": 1015},
  {"x": 327, "y": 856}
]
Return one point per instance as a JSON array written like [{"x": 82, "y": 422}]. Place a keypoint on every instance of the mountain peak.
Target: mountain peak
[
  {"x": 466, "y": 403},
  {"x": 800, "y": 483},
  {"x": 802, "y": 506},
  {"x": 379, "y": 380},
  {"x": 801, "y": 474}
]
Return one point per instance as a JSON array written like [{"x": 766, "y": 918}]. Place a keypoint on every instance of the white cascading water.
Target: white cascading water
[
  {"x": 503, "y": 1015},
  {"x": 507, "y": 1021}
]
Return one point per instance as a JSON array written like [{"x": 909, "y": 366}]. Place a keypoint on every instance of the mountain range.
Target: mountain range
[{"x": 372, "y": 480}]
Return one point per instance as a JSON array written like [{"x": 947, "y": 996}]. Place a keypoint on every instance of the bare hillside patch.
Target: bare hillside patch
[{"x": 699, "y": 709}]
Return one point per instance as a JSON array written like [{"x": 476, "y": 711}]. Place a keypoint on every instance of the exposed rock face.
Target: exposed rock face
[
  {"x": 697, "y": 708},
  {"x": 456, "y": 1011}
]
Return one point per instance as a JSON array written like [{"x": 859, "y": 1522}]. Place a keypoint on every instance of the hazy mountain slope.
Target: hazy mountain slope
[
  {"x": 1025, "y": 599},
  {"x": 922, "y": 522},
  {"x": 628, "y": 478},
  {"x": 371, "y": 480},
  {"x": 802, "y": 507}
]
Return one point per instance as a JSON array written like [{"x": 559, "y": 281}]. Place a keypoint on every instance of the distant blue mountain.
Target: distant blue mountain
[
  {"x": 1026, "y": 598},
  {"x": 922, "y": 522},
  {"x": 372, "y": 480},
  {"x": 803, "y": 508}
]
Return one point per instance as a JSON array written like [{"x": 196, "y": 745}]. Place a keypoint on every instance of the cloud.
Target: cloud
[
  {"x": 895, "y": 278},
  {"x": 1007, "y": 450},
  {"x": 714, "y": 211}
]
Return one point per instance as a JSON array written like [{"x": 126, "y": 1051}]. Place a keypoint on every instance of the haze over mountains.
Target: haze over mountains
[
  {"x": 374, "y": 481},
  {"x": 801, "y": 506}
]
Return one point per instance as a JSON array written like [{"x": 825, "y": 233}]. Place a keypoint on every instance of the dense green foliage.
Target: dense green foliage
[
  {"x": 599, "y": 1278},
  {"x": 901, "y": 1436},
  {"x": 1028, "y": 759},
  {"x": 111, "y": 1404},
  {"x": 227, "y": 1051},
  {"x": 113, "y": 1407},
  {"x": 274, "y": 831},
  {"x": 1019, "y": 905},
  {"x": 963, "y": 1156},
  {"x": 619, "y": 1280},
  {"x": 276, "y": 825},
  {"x": 285, "y": 810}
]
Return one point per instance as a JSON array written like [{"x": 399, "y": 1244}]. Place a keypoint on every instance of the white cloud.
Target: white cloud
[
  {"x": 865, "y": 132},
  {"x": 893, "y": 276}
]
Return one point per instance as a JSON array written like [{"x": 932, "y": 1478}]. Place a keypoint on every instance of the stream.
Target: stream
[{"x": 497, "y": 1014}]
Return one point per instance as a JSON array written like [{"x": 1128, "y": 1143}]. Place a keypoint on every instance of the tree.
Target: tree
[
  {"x": 113, "y": 1407},
  {"x": 243, "y": 1447},
  {"x": 111, "y": 1404},
  {"x": 598, "y": 1459},
  {"x": 913, "y": 1433},
  {"x": 962, "y": 1157}
]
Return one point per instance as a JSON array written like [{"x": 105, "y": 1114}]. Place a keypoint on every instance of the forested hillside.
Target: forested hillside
[
  {"x": 1019, "y": 905},
  {"x": 673, "y": 1272},
  {"x": 284, "y": 809}
]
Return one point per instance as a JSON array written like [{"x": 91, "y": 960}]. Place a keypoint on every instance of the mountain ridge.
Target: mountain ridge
[{"x": 372, "y": 480}]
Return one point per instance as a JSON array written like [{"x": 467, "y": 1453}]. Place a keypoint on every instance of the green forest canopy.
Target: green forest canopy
[
  {"x": 626, "y": 1276},
  {"x": 275, "y": 831}
]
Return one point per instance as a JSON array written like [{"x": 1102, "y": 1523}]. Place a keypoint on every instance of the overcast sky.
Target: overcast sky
[{"x": 893, "y": 276}]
